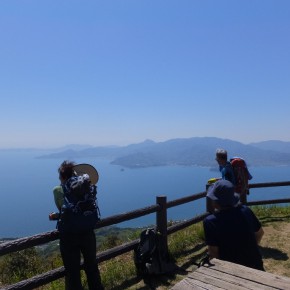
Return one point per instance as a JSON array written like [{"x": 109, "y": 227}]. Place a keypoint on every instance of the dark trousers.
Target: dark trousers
[{"x": 71, "y": 248}]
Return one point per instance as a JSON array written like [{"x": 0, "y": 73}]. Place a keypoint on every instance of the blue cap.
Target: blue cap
[{"x": 223, "y": 192}]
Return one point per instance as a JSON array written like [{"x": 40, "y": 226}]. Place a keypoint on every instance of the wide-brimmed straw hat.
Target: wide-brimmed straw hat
[{"x": 87, "y": 169}]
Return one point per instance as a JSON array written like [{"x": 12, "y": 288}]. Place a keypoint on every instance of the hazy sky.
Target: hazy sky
[{"x": 119, "y": 72}]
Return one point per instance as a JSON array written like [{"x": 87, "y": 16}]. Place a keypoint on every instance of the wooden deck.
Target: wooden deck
[{"x": 226, "y": 275}]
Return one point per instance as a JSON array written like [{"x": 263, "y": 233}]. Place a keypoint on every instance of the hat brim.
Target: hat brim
[
  {"x": 211, "y": 194},
  {"x": 88, "y": 169}
]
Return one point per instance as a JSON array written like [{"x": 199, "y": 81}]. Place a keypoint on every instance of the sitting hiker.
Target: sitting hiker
[{"x": 232, "y": 232}]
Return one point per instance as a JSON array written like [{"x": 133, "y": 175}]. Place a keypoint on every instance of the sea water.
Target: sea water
[{"x": 27, "y": 182}]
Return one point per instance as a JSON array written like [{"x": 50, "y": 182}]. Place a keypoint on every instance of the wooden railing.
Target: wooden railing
[{"x": 160, "y": 208}]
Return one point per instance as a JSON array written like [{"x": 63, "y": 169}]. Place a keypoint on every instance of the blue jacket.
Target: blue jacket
[{"x": 228, "y": 172}]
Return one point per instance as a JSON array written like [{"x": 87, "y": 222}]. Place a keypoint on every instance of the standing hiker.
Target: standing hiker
[
  {"x": 75, "y": 242},
  {"x": 225, "y": 166}
]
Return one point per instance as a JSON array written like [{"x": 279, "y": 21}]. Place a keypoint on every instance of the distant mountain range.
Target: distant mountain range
[
  {"x": 273, "y": 145},
  {"x": 196, "y": 151}
]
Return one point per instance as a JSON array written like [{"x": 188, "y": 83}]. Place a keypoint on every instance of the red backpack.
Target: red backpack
[{"x": 242, "y": 175}]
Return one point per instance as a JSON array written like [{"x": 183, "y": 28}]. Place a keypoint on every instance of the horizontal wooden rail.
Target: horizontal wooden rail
[
  {"x": 37, "y": 281},
  {"x": 271, "y": 201},
  {"x": 269, "y": 184},
  {"x": 182, "y": 225},
  {"x": 58, "y": 273},
  {"x": 28, "y": 242},
  {"x": 186, "y": 199},
  {"x": 36, "y": 240},
  {"x": 127, "y": 216}
]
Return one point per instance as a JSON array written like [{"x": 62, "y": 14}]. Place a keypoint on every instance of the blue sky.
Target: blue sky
[{"x": 119, "y": 72}]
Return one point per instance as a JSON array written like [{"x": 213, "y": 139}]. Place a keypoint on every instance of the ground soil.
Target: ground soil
[{"x": 275, "y": 247}]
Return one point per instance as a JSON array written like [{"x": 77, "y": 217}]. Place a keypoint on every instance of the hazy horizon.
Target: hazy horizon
[{"x": 80, "y": 146}]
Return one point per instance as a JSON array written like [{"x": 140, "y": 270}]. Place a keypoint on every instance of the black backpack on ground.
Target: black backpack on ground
[{"x": 147, "y": 255}]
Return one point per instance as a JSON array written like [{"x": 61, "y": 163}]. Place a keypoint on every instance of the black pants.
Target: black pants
[{"x": 71, "y": 248}]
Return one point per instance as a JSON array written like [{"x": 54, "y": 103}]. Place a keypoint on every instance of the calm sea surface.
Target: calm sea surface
[{"x": 27, "y": 182}]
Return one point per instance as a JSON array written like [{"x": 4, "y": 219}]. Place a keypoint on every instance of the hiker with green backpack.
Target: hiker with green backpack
[{"x": 78, "y": 214}]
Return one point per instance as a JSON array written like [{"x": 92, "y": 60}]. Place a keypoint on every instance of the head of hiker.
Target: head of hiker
[{"x": 222, "y": 193}]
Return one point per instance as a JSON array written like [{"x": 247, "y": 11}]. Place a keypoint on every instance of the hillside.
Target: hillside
[
  {"x": 196, "y": 151},
  {"x": 273, "y": 145}
]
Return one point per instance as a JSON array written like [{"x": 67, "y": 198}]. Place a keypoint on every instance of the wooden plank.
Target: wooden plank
[
  {"x": 265, "y": 278},
  {"x": 215, "y": 281},
  {"x": 185, "y": 285},
  {"x": 230, "y": 276},
  {"x": 234, "y": 280},
  {"x": 190, "y": 284}
]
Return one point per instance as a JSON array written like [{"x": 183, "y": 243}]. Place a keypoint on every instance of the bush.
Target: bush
[{"x": 20, "y": 266}]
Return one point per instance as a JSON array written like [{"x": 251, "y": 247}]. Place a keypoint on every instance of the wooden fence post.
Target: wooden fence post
[
  {"x": 209, "y": 206},
  {"x": 161, "y": 223}
]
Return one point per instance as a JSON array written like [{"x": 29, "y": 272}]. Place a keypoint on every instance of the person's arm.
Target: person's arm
[
  {"x": 223, "y": 172},
  {"x": 254, "y": 222},
  {"x": 213, "y": 251},
  {"x": 58, "y": 196},
  {"x": 259, "y": 234}
]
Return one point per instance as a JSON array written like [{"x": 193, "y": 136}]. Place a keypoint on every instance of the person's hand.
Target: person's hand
[{"x": 53, "y": 216}]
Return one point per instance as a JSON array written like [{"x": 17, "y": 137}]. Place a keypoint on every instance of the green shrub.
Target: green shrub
[{"x": 20, "y": 266}]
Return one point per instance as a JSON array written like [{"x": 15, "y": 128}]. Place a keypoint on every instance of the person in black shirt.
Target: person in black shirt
[{"x": 232, "y": 232}]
